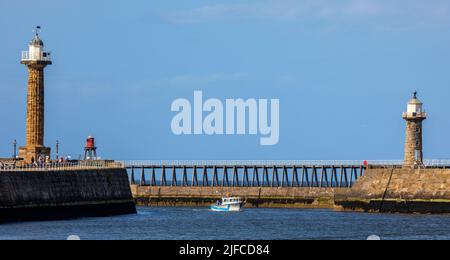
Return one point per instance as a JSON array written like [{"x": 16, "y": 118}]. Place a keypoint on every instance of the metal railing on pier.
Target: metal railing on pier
[
  {"x": 444, "y": 163},
  {"x": 65, "y": 166},
  {"x": 138, "y": 163}
]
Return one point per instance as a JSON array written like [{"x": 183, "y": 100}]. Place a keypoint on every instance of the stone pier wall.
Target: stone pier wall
[
  {"x": 64, "y": 194},
  {"x": 255, "y": 197},
  {"x": 399, "y": 190}
]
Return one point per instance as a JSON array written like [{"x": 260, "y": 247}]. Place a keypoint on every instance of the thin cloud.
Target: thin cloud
[
  {"x": 275, "y": 10},
  {"x": 378, "y": 12}
]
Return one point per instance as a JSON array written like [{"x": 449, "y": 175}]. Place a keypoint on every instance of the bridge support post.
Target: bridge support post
[
  {"x": 346, "y": 177},
  {"x": 163, "y": 176},
  {"x": 327, "y": 180},
  {"x": 215, "y": 177},
  {"x": 194, "y": 178},
  {"x": 265, "y": 180},
  {"x": 315, "y": 178},
  {"x": 285, "y": 179},
  {"x": 304, "y": 174},
  {"x": 294, "y": 180},
  {"x": 174, "y": 176},
  {"x": 352, "y": 172},
  {"x": 245, "y": 181},
  {"x": 322, "y": 176},
  {"x": 153, "y": 178},
  {"x": 185, "y": 178},
  {"x": 143, "y": 176},
  {"x": 132, "y": 181},
  {"x": 255, "y": 177},
  {"x": 236, "y": 173},
  {"x": 333, "y": 176},
  {"x": 225, "y": 180},
  {"x": 205, "y": 180},
  {"x": 342, "y": 173},
  {"x": 275, "y": 177}
]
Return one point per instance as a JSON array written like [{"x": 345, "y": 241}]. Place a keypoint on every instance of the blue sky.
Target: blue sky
[{"x": 343, "y": 71}]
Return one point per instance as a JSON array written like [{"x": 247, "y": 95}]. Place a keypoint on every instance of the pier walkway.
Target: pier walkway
[
  {"x": 312, "y": 174},
  {"x": 317, "y": 174}
]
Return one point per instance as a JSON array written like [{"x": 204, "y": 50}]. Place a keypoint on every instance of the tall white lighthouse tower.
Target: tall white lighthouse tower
[{"x": 414, "y": 117}]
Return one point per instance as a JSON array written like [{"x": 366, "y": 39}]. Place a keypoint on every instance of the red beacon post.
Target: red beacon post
[{"x": 90, "y": 150}]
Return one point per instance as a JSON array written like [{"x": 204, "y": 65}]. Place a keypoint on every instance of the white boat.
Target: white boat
[{"x": 228, "y": 204}]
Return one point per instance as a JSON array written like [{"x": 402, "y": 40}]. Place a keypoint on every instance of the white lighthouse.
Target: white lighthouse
[{"x": 414, "y": 116}]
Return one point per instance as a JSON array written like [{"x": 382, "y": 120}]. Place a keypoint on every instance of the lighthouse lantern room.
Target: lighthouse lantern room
[{"x": 36, "y": 49}]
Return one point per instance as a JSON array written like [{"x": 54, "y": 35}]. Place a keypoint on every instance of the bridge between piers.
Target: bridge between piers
[{"x": 280, "y": 174}]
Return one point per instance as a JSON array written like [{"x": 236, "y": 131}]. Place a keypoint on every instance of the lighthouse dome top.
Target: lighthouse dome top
[
  {"x": 36, "y": 41},
  {"x": 415, "y": 106},
  {"x": 415, "y": 100}
]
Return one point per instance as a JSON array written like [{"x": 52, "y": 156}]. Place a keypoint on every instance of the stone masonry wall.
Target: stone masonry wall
[
  {"x": 413, "y": 141},
  {"x": 255, "y": 197},
  {"x": 247, "y": 192},
  {"x": 405, "y": 184},
  {"x": 35, "y": 106},
  {"x": 64, "y": 188}
]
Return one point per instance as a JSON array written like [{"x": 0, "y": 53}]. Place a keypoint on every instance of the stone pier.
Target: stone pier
[
  {"x": 60, "y": 194},
  {"x": 256, "y": 197},
  {"x": 399, "y": 190}
]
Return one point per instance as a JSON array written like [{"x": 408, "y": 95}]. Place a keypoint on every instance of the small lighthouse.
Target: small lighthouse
[
  {"x": 414, "y": 117},
  {"x": 90, "y": 150},
  {"x": 36, "y": 59}
]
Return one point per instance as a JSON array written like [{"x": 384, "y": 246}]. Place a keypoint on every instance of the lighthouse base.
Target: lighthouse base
[{"x": 32, "y": 154}]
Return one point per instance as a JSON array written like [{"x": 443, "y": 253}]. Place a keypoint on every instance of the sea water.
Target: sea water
[{"x": 255, "y": 224}]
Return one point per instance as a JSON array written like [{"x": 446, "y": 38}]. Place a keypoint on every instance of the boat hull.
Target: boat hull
[{"x": 227, "y": 208}]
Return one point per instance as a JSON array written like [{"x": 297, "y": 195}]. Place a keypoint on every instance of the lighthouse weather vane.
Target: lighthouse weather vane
[{"x": 37, "y": 30}]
